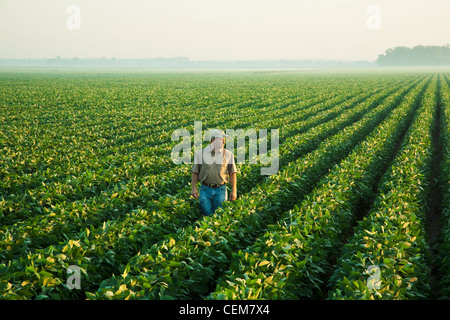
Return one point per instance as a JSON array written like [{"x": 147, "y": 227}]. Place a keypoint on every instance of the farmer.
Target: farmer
[{"x": 213, "y": 166}]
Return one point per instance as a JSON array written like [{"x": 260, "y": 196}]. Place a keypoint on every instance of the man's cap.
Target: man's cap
[{"x": 217, "y": 133}]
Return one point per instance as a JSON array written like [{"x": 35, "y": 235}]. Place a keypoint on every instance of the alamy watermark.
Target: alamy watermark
[
  {"x": 374, "y": 281},
  {"x": 258, "y": 143},
  {"x": 374, "y": 19},
  {"x": 74, "y": 279},
  {"x": 73, "y": 22}
]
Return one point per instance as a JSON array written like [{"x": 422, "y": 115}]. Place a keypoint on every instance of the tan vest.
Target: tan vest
[{"x": 214, "y": 169}]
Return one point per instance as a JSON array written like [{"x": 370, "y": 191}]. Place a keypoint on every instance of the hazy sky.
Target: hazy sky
[{"x": 220, "y": 29}]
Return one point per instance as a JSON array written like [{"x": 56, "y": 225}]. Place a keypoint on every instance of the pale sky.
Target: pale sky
[{"x": 220, "y": 29}]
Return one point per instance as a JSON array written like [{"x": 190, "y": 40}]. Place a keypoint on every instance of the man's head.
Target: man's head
[
  {"x": 218, "y": 139},
  {"x": 218, "y": 136},
  {"x": 217, "y": 133}
]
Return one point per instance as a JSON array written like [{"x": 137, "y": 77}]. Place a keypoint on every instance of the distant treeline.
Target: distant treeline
[
  {"x": 416, "y": 56},
  {"x": 181, "y": 63}
]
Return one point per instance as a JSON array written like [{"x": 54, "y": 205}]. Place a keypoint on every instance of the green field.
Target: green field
[{"x": 87, "y": 180}]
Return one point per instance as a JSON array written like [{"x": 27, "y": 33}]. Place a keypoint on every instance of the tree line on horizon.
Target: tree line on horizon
[
  {"x": 398, "y": 56},
  {"x": 416, "y": 56},
  {"x": 180, "y": 63}
]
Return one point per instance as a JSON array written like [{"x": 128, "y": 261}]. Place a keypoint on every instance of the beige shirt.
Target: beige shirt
[{"x": 214, "y": 169}]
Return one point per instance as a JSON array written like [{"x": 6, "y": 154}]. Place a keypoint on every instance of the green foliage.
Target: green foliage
[
  {"x": 297, "y": 247},
  {"x": 443, "y": 245},
  {"x": 86, "y": 179},
  {"x": 393, "y": 235}
]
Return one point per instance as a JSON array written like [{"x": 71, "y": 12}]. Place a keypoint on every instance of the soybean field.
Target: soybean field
[{"x": 359, "y": 207}]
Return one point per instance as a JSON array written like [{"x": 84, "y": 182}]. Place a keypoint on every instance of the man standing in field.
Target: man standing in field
[{"x": 212, "y": 167}]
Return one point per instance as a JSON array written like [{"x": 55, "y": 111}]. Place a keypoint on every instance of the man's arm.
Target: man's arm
[
  {"x": 194, "y": 180},
  {"x": 196, "y": 168},
  {"x": 233, "y": 181}
]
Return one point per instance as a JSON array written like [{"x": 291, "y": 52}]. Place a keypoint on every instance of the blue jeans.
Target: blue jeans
[{"x": 211, "y": 198}]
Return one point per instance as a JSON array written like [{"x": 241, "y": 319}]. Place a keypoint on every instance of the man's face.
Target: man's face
[{"x": 218, "y": 143}]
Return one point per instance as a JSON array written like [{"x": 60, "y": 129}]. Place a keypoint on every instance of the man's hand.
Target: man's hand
[
  {"x": 233, "y": 195},
  {"x": 194, "y": 192}
]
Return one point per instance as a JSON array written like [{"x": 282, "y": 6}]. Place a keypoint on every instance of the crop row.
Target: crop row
[
  {"x": 92, "y": 182},
  {"x": 49, "y": 226},
  {"x": 443, "y": 257},
  {"x": 102, "y": 248},
  {"x": 45, "y": 187},
  {"x": 185, "y": 264},
  {"x": 292, "y": 258},
  {"x": 388, "y": 256},
  {"x": 83, "y": 169},
  {"x": 167, "y": 185},
  {"x": 71, "y": 251}
]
